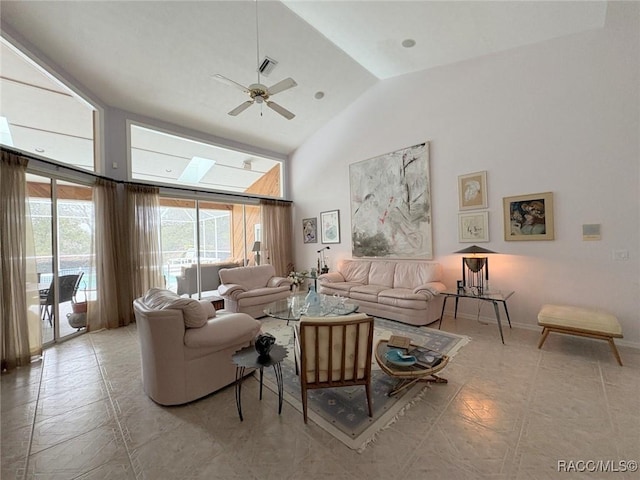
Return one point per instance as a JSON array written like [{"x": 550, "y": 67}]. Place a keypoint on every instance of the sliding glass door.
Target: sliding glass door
[
  {"x": 62, "y": 223},
  {"x": 196, "y": 233}
]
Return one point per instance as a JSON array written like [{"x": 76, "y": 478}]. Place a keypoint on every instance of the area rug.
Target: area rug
[{"x": 342, "y": 412}]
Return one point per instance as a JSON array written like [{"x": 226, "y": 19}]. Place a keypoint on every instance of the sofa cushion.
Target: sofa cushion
[
  {"x": 412, "y": 274},
  {"x": 403, "y": 298},
  {"x": 382, "y": 273},
  {"x": 355, "y": 271},
  {"x": 366, "y": 292},
  {"x": 194, "y": 312},
  {"x": 249, "y": 277},
  {"x": 223, "y": 331}
]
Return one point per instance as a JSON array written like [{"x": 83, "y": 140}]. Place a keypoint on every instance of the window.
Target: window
[
  {"x": 161, "y": 158},
  {"x": 41, "y": 116}
]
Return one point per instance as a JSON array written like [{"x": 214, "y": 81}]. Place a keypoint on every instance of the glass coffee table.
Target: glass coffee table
[
  {"x": 407, "y": 375},
  {"x": 294, "y": 307}
]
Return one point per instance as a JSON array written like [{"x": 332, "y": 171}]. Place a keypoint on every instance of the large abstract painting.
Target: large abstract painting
[{"x": 391, "y": 205}]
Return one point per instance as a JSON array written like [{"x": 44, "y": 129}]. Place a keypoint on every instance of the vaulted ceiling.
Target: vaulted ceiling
[{"x": 158, "y": 58}]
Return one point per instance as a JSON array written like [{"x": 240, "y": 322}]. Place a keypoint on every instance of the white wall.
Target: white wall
[{"x": 560, "y": 116}]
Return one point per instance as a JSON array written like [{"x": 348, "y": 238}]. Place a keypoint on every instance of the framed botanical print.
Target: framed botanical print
[
  {"x": 472, "y": 191},
  {"x": 473, "y": 227},
  {"x": 330, "y": 226},
  {"x": 310, "y": 230},
  {"x": 528, "y": 217}
]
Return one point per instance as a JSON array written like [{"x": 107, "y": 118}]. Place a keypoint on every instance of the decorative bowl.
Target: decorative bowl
[{"x": 398, "y": 358}]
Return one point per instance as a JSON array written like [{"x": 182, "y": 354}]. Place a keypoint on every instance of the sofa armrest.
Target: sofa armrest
[
  {"x": 430, "y": 289},
  {"x": 231, "y": 290},
  {"x": 331, "y": 277},
  {"x": 278, "y": 282}
]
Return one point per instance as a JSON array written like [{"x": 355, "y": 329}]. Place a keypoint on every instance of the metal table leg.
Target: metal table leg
[
  {"x": 278, "y": 371},
  {"x": 495, "y": 307},
  {"x": 507, "y": 312},
  {"x": 239, "y": 378},
  {"x": 444, "y": 302}
]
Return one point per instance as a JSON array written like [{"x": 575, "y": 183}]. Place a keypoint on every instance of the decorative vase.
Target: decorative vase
[
  {"x": 263, "y": 344},
  {"x": 312, "y": 300}
]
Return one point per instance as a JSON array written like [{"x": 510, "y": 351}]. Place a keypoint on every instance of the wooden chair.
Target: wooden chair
[{"x": 334, "y": 352}]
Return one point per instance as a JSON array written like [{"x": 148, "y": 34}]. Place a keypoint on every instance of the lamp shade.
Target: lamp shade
[
  {"x": 256, "y": 247},
  {"x": 475, "y": 249}
]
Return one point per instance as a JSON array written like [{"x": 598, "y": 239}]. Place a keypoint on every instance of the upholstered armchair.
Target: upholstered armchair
[
  {"x": 250, "y": 289},
  {"x": 210, "y": 279},
  {"x": 334, "y": 352},
  {"x": 186, "y": 346}
]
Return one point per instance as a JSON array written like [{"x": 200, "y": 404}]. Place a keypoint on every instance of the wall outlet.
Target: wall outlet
[{"x": 620, "y": 255}]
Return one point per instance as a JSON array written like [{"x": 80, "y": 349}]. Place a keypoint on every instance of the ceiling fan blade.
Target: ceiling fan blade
[
  {"x": 228, "y": 81},
  {"x": 282, "y": 85},
  {"x": 241, "y": 108},
  {"x": 281, "y": 110}
]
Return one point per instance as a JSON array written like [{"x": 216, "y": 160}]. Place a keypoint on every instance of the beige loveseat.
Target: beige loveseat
[
  {"x": 251, "y": 289},
  {"x": 210, "y": 280},
  {"x": 406, "y": 291},
  {"x": 186, "y": 347}
]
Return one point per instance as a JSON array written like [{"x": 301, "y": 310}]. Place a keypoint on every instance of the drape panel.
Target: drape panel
[
  {"x": 127, "y": 246},
  {"x": 20, "y": 336},
  {"x": 108, "y": 311},
  {"x": 142, "y": 207},
  {"x": 277, "y": 234}
]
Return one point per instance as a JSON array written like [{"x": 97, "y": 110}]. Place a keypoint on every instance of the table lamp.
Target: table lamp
[
  {"x": 475, "y": 269},
  {"x": 256, "y": 249}
]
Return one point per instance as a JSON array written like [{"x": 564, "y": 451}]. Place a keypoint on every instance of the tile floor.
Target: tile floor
[{"x": 508, "y": 412}]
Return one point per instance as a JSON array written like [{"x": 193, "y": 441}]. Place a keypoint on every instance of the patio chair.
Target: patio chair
[
  {"x": 334, "y": 352},
  {"x": 69, "y": 285}
]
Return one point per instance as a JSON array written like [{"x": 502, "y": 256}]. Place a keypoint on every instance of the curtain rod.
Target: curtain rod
[{"x": 30, "y": 156}]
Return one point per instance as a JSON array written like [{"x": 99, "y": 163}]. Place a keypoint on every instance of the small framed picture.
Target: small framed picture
[
  {"x": 528, "y": 217},
  {"x": 330, "y": 226},
  {"x": 473, "y": 227},
  {"x": 472, "y": 191},
  {"x": 310, "y": 230}
]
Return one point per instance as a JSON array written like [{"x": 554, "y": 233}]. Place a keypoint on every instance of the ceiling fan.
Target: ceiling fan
[{"x": 258, "y": 92}]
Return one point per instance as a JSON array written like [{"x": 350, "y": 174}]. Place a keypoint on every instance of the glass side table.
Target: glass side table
[
  {"x": 248, "y": 358},
  {"x": 494, "y": 297}
]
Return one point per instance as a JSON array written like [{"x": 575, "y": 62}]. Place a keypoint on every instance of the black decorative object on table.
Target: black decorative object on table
[{"x": 264, "y": 342}]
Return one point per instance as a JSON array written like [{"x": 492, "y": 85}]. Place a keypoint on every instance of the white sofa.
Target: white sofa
[
  {"x": 186, "y": 347},
  {"x": 406, "y": 291},
  {"x": 250, "y": 289}
]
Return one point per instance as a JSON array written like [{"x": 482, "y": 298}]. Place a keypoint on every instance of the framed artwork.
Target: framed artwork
[
  {"x": 528, "y": 217},
  {"x": 330, "y": 226},
  {"x": 473, "y": 227},
  {"x": 472, "y": 191},
  {"x": 310, "y": 230},
  {"x": 391, "y": 205}
]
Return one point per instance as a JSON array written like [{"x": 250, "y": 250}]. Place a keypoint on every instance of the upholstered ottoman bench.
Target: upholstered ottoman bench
[{"x": 584, "y": 322}]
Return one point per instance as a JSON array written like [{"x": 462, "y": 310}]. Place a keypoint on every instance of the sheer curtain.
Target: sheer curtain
[
  {"x": 127, "y": 246},
  {"x": 108, "y": 311},
  {"x": 20, "y": 329},
  {"x": 277, "y": 234},
  {"x": 142, "y": 207}
]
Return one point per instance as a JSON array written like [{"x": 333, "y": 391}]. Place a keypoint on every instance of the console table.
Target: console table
[{"x": 494, "y": 297}]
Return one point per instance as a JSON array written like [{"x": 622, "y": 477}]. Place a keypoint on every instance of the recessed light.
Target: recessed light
[
  {"x": 408, "y": 43},
  {"x": 319, "y": 95},
  {"x": 168, "y": 170},
  {"x": 40, "y": 150}
]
